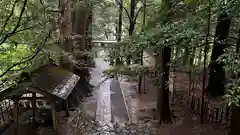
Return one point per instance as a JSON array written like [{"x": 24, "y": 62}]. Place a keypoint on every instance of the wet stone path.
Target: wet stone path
[
  {"x": 105, "y": 113},
  {"x": 107, "y": 96}
]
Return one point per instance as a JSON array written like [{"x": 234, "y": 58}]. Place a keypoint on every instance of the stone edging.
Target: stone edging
[{"x": 125, "y": 101}]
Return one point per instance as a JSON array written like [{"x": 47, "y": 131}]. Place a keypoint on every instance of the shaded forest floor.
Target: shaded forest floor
[{"x": 142, "y": 108}]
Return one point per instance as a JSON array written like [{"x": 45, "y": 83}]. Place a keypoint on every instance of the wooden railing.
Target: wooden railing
[
  {"x": 6, "y": 113},
  {"x": 214, "y": 114}
]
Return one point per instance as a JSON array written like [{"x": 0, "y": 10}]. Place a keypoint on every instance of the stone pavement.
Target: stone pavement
[
  {"x": 107, "y": 94},
  {"x": 119, "y": 109},
  {"x": 111, "y": 115}
]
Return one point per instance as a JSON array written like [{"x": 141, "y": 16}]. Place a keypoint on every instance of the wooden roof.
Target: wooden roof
[{"x": 50, "y": 81}]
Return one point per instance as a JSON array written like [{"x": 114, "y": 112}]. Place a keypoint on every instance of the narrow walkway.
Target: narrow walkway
[
  {"x": 103, "y": 112},
  {"x": 107, "y": 101},
  {"x": 118, "y": 107}
]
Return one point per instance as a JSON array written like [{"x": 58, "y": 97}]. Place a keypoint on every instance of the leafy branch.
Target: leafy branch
[
  {"x": 120, "y": 4},
  {"x": 9, "y": 16},
  {"x": 17, "y": 25},
  {"x": 29, "y": 58},
  {"x": 19, "y": 63},
  {"x": 135, "y": 18}
]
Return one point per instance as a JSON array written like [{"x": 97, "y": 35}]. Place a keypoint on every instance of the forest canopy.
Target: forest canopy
[{"x": 26, "y": 36}]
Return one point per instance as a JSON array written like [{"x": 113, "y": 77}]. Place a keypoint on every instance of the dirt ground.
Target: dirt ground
[{"x": 143, "y": 107}]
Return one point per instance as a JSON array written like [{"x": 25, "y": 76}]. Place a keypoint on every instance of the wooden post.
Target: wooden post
[
  {"x": 66, "y": 107},
  {"x": 54, "y": 116},
  {"x": 16, "y": 110},
  {"x": 34, "y": 108},
  {"x": 2, "y": 114},
  {"x": 144, "y": 84},
  {"x": 173, "y": 87}
]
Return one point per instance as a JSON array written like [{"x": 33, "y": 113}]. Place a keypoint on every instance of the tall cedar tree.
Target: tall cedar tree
[
  {"x": 163, "y": 103},
  {"x": 65, "y": 30},
  {"x": 80, "y": 20},
  {"x": 235, "y": 121},
  {"x": 235, "y": 117},
  {"x": 217, "y": 73},
  {"x": 119, "y": 27},
  {"x": 131, "y": 24}
]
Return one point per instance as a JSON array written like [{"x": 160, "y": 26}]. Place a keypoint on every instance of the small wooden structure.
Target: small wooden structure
[{"x": 50, "y": 82}]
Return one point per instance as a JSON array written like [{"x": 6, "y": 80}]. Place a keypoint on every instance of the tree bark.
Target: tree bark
[
  {"x": 199, "y": 58},
  {"x": 81, "y": 16},
  {"x": 88, "y": 40},
  {"x": 131, "y": 25},
  {"x": 141, "y": 53},
  {"x": 217, "y": 73},
  {"x": 238, "y": 47},
  {"x": 65, "y": 31},
  {"x": 191, "y": 65},
  {"x": 165, "y": 111},
  {"x": 235, "y": 121},
  {"x": 238, "y": 42},
  {"x": 89, "y": 31},
  {"x": 119, "y": 29},
  {"x": 186, "y": 54},
  {"x": 163, "y": 99},
  {"x": 119, "y": 32}
]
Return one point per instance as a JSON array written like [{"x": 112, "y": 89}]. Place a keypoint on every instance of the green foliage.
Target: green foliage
[
  {"x": 186, "y": 29},
  {"x": 232, "y": 96},
  {"x": 132, "y": 70},
  {"x": 231, "y": 61},
  {"x": 104, "y": 19},
  {"x": 180, "y": 32},
  {"x": 24, "y": 26}
]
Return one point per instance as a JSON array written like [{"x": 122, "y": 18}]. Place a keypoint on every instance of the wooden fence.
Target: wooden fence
[
  {"x": 6, "y": 113},
  {"x": 215, "y": 114}
]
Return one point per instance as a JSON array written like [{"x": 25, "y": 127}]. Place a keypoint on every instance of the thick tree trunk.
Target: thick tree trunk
[
  {"x": 199, "y": 57},
  {"x": 142, "y": 49},
  {"x": 119, "y": 29},
  {"x": 178, "y": 52},
  {"x": 165, "y": 111},
  {"x": 238, "y": 42},
  {"x": 238, "y": 47},
  {"x": 81, "y": 16},
  {"x": 88, "y": 41},
  {"x": 235, "y": 117},
  {"x": 186, "y": 54},
  {"x": 217, "y": 74},
  {"x": 80, "y": 27},
  {"x": 235, "y": 121},
  {"x": 165, "y": 57},
  {"x": 89, "y": 32},
  {"x": 130, "y": 31},
  {"x": 131, "y": 25},
  {"x": 119, "y": 32},
  {"x": 132, "y": 16},
  {"x": 65, "y": 32},
  {"x": 192, "y": 56},
  {"x": 191, "y": 65}
]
